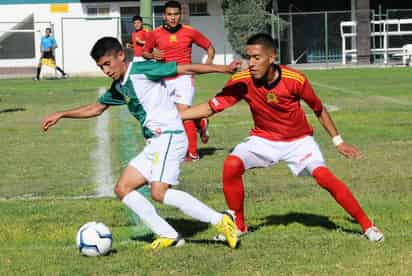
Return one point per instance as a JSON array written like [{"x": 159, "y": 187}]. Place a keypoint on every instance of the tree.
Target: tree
[{"x": 244, "y": 18}]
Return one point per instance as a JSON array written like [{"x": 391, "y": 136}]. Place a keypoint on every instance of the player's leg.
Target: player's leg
[
  {"x": 306, "y": 155},
  {"x": 130, "y": 180},
  {"x": 202, "y": 127},
  {"x": 255, "y": 152},
  {"x": 191, "y": 133},
  {"x": 165, "y": 174},
  {"x": 184, "y": 95},
  {"x": 344, "y": 197},
  {"x": 38, "y": 69}
]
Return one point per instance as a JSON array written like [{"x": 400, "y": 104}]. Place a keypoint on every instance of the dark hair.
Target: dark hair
[
  {"x": 137, "y": 17},
  {"x": 262, "y": 39},
  {"x": 49, "y": 30},
  {"x": 172, "y": 4},
  {"x": 105, "y": 46}
]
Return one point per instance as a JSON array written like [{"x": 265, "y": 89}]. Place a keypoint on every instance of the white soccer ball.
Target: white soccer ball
[{"x": 94, "y": 239}]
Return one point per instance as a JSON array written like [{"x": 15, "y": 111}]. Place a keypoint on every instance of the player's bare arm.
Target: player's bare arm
[
  {"x": 345, "y": 149},
  {"x": 191, "y": 69},
  {"x": 155, "y": 54},
  {"x": 83, "y": 112},
  {"x": 196, "y": 112},
  {"x": 210, "y": 54},
  {"x": 139, "y": 41}
]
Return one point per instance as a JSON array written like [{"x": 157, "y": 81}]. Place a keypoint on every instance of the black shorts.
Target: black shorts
[{"x": 48, "y": 54}]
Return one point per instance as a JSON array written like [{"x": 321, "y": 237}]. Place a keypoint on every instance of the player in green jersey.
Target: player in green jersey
[{"x": 141, "y": 87}]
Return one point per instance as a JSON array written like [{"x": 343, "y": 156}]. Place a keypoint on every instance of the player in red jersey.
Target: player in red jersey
[
  {"x": 173, "y": 42},
  {"x": 139, "y": 37},
  {"x": 281, "y": 131}
]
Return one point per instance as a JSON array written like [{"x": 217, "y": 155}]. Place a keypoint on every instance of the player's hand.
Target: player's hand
[
  {"x": 158, "y": 54},
  {"x": 50, "y": 120},
  {"x": 235, "y": 65},
  {"x": 349, "y": 151}
]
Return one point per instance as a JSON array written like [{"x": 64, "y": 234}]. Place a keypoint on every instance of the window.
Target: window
[
  {"x": 98, "y": 11},
  {"x": 198, "y": 9}
]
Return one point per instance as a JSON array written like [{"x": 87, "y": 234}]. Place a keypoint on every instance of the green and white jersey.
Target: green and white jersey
[{"x": 144, "y": 91}]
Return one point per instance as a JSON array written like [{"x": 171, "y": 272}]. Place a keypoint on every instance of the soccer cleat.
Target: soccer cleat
[
  {"x": 239, "y": 233},
  {"x": 204, "y": 134},
  {"x": 36, "y": 79},
  {"x": 228, "y": 228},
  {"x": 190, "y": 157},
  {"x": 222, "y": 238},
  {"x": 374, "y": 234},
  {"x": 161, "y": 243}
]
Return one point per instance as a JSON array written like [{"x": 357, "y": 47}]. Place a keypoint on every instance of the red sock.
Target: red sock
[
  {"x": 233, "y": 170},
  {"x": 342, "y": 195},
  {"x": 191, "y": 133}
]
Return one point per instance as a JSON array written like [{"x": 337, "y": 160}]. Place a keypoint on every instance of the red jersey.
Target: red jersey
[
  {"x": 177, "y": 46},
  {"x": 276, "y": 109},
  {"x": 142, "y": 35}
]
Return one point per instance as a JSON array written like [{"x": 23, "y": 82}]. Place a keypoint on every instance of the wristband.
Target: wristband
[{"x": 337, "y": 140}]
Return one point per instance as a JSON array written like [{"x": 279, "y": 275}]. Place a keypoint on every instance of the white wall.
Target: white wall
[
  {"x": 213, "y": 28},
  {"x": 79, "y": 34}
]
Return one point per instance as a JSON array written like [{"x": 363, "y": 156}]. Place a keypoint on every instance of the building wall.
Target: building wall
[{"x": 75, "y": 35}]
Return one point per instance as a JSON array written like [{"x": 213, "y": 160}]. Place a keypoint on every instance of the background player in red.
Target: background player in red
[
  {"x": 173, "y": 42},
  {"x": 281, "y": 132},
  {"x": 138, "y": 38}
]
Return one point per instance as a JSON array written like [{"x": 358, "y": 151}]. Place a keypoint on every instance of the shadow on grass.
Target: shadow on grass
[
  {"x": 188, "y": 228},
  {"x": 12, "y": 110},
  {"x": 208, "y": 151},
  {"x": 310, "y": 220}
]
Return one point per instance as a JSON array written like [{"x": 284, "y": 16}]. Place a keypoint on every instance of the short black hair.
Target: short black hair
[
  {"x": 137, "y": 17},
  {"x": 105, "y": 46},
  {"x": 49, "y": 30},
  {"x": 172, "y": 4},
  {"x": 262, "y": 39}
]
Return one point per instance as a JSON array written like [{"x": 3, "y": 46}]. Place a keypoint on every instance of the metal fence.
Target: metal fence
[{"x": 312, "y": 37}]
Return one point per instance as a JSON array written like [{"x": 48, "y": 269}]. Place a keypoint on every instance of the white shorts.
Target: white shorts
[
  {"x": 302, "y": 155},
  {"x": 138, "y": 59},
  {"x": 182, "y": 89},
  {"x": 161, "y": 158}
]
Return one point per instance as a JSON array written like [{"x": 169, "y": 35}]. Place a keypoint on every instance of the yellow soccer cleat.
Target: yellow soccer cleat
[
  {"x": 161, "y": 243},
  {"x": 228, "y": 228}
]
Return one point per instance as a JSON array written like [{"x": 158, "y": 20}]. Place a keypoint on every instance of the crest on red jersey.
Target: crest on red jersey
[
  {"x": 271, "y": 98},
  {"x": 172, "y": 38}
]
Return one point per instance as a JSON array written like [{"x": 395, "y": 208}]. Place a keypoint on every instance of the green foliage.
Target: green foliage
[{"x": 244, "y": 18}]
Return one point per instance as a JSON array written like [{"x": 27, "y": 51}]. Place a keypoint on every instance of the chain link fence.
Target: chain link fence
[{"x": 302, "y": 38}]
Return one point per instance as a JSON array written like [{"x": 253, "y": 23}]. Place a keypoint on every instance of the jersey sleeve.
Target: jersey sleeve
[
  {"x": 112, "y": 96},
  {"x": 307, "y": 93},
  {"x": 232, "y": 93},
  {"x": 159, "y": 70},
  {"x": 201, "y": 40}
]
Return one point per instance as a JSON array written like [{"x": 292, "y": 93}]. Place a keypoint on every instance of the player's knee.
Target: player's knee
[
  {"x": 233, "y": 167},
  {"x": 158, "y": 191},
  {"x": 121, "y": 190}
]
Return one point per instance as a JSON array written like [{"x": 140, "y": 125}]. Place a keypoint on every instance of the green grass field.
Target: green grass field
[{"x": 297, "y": 228}]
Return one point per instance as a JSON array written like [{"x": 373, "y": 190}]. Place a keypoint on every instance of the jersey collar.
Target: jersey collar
[
  {"x": 124, "y": 80},
  {"x": 172, "y": 30},
  {"x": 270, "y": 86}
]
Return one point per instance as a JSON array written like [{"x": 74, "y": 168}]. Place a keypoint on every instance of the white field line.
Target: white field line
[
  {"x": 355, "y": 92},
  {"x": 101, "y": 156}
]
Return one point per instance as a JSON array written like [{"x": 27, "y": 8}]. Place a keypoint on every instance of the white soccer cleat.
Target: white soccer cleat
[{"x": 374, "y": 234}]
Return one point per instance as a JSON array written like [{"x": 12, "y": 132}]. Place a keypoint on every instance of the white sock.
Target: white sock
[
  {"x": 147, "y": 213},
  {"x": 191, "y": 206}
]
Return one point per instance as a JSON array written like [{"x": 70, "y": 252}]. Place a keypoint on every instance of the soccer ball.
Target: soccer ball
[{"x": 94, "y": 239}]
